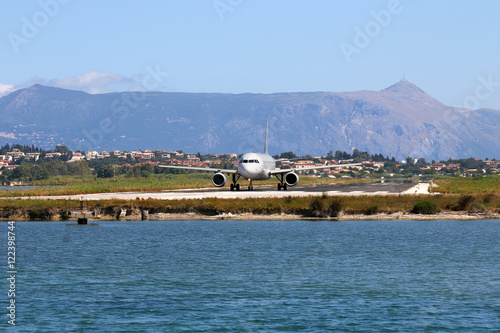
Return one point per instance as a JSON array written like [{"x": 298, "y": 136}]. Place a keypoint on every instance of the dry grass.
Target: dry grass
[{"x": 476, "y": 185}]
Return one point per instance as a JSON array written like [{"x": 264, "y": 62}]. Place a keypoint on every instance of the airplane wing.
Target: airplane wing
[
  {"x": 229, "y": 171},
  {"x": 280, "y": 171}
]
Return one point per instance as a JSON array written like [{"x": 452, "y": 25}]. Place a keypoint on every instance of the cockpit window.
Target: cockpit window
[{"x": 250, "y": 161}]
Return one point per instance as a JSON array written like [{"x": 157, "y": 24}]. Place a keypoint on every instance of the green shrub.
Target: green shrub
[
  {"x": 372, "y": 210},
  {"x": 488, "y": 198},
  {"x": 43, "y": 214},
  {"x": 425, "y": 207},
  {"x": 65, "y": 214},
  {"x": 325, "y": 207},
  {"x": 464, "y": 202},
  {"x": 318, "y": 207},
  {"x": 335, "y": 207},
  {"x": 477, "y": 208}
]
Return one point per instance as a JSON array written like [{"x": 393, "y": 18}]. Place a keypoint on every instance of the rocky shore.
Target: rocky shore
[{"x": 136, "y": 214}]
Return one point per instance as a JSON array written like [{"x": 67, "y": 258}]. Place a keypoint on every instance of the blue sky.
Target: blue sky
[{"x": 450, "y": 49}]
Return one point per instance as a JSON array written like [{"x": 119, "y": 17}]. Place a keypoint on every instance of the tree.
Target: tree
[
  {"x": 62, "y": 149},
  {"x": 4, "y": 149},
  {"x": 105, "y": 171},
  {"x": 378, "y": 158},
  {"x": 471, "y": 163},
  {"x": 362, "y": 155},
  {"x": 134, "y": 172},
  {"x": 410, "y": 160},
  {"x": 390, "y": 166},
  {"x": 23, "y": 171},
  {"x": 28, "y": 171},
  {"x": 430, "y": 171},
  {"x": 207, "y": 157},
  {"x": 421, "y": 162},
  {"x": 78, "y": 168},
  {"x": 288, "y": 155}
]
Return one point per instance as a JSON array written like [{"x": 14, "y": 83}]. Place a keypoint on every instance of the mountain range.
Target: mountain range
[{"x": 401, "y": 121}]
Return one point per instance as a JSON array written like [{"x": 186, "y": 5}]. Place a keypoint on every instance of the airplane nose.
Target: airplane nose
[
  {"x": 244, "y": 171},
  {"x": 248, "y": 171}
]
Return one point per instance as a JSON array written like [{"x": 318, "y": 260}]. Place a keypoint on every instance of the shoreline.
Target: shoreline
[
  {"x": 343, "y": 217},
  {"x": 401, "y": 216}
]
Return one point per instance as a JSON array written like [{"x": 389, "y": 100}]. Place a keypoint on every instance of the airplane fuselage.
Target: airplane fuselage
[{"x": 256, "y": 166}]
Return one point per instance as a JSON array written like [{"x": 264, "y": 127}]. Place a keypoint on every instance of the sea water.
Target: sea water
[{"x": 248, "y": 276}]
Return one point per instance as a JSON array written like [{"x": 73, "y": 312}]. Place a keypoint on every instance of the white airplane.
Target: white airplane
[{"x": 257, "y": 166}]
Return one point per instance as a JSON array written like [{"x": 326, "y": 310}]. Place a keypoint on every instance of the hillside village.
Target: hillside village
[{"x": 145, "y": 162}]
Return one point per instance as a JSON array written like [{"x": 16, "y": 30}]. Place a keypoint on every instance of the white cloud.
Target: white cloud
[
  {"x": 6, "y": 89},
  {"x": 93, "y": 82}
]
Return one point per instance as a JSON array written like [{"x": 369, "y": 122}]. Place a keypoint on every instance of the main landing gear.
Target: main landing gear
[
  {"x": 282, "y": 184},
  {"x": 235, "y": 186}
]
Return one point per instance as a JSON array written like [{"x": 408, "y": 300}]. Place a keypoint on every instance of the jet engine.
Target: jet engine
[
  {"x": 219, "y": 179},
  {"x": 291, "y": 179}
]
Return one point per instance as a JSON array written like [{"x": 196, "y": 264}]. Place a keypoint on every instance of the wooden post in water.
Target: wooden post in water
[
  {"x": 83, "y": 218},
  {"x": 144, "y": 214}
]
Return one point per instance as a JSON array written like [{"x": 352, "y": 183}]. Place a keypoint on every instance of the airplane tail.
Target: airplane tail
[{"x": 265, "y": 145}]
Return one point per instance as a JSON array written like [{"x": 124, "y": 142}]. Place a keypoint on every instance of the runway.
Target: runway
[{"x": 259, "y": 192}]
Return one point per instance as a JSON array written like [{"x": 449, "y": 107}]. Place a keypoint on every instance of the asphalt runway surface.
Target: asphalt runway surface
[
  {"x": 395, "y": 188},
  {"x": 259, "y": 192}
]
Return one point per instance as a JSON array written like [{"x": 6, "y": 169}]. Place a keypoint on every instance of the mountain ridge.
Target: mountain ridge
[{"x": 401, "y": 120}]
